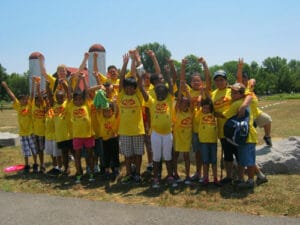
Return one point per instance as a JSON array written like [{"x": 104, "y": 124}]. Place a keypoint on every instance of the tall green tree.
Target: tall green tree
[{"x": 161, "y": 52}]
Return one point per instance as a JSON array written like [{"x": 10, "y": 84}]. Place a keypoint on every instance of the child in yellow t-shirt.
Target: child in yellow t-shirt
[
  {"x": 38, "y": 119},
  {"x": 23, "y": 108},
  {"x": 183, "y": 131},
  {"x": 246, "y": 152},
  {"x": 131, "y": 129},
  {"x": 108, "y": 121},
  {"x": 82, "y": 131},
  {"x": 208, "y": 138}
]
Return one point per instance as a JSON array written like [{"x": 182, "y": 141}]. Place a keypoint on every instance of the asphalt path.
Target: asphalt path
[{"x": 40, "y": 209}]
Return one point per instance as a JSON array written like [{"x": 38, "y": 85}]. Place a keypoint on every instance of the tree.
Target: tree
[
  {"x": 161, "y": 52},
  {"x": 3, "y": 77}
]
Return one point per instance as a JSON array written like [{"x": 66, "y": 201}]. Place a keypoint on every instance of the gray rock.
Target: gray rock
[
  {"x": 282, "y": 158},
  {"x": 9, "y": 139}
]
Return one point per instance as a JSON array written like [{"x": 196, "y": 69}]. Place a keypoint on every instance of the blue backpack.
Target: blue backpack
[{"x": 236, "y": 129}]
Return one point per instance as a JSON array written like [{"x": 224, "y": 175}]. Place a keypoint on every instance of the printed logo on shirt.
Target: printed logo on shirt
[
  {"x": 58, "y": 111},
  {"x": 209, "y": 119},
  {"x": 186, "y": 122},
  {"x": 39, "y": 114},
  {"x": 25, "y": 112},
  {"x": 219, "y": 103},
  {"x": 128, "y": 103},
  {"x": 79, "y": 113},
  {"x": 161, "y": 107}
]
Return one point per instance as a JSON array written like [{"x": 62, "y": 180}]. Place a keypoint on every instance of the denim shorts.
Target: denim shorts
[
  {"x": 209, "y": 153},
  {"x": 247, "y": 154}
]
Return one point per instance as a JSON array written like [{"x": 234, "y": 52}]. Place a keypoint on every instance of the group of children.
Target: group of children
[{"x": 133, "y": 111}]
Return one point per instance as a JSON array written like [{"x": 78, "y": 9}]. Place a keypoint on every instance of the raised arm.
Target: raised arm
[
  {"x": 32, "y": 87},
  {"x": 123, "y": 71},
  {"x": 133, "y": 63},
  {"x": 49, "y": 94},
  {"x": 42, "y": 66},
  {"x": 239, "y": 75},
  {"x": 169, "y": 79},
  {"x": 206, "y": 73},
  {"x": 9, "y": 92},
  {"x": 154, "y": 60},
  {"x": 173, "y": 70}
]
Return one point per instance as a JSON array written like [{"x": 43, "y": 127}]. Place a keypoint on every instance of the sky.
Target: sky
[{"x": 218, "y": 30}]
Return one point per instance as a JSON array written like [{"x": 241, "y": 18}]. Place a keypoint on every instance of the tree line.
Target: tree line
[{"x": 274, "y": 75}]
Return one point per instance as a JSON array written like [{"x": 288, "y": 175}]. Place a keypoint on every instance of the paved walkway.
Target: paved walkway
[{"x": 38, "y": 209}]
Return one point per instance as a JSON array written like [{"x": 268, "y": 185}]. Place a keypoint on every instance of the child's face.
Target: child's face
[
  {"x": 196, "y": 82},
  {"x": 60, "y": 97},
  {"x": 220, "y": 82},
  {"x": 147, "y": 79},
  {"x": 236, "y": 95},
  {"x": 161, "y": 93},
  {"x": 206, "y": 109},
  {"x": 113, "y": 73},
  {"x": 61, "y": 73},
  {"x": 109, "y": 90},
  {"x": 129, "y": 90},
  {"x": 24, "y": 100},
  {"x": 78, "y": 100}
]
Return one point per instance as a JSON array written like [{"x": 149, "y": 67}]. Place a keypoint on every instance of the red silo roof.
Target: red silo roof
[
  {"x": 35, "y": 55},
  {"x": 97, "y": 48}
]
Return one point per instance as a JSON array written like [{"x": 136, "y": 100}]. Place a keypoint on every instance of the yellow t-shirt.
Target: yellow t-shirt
[
  {"x": 108, "y": 126},
  {"x": 183, "y": 131},
  {"x": 233, "y": 110},
  {"x": 131, "y": 118},
  {"x": 38, "y": 119},
  {"x": 62, "y": 122},
  {"x": 161, "y": 114},
  {"x": 49, "y": 125},
  {"x": 81, "y": 120},
  {"x": 24, "y": 118},
  {"x": 221, "y": 100},
  {"x": 207, "y": 129}
]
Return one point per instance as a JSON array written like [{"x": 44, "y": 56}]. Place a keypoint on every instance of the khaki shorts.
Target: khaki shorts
[{"x": 263, "y": 119}]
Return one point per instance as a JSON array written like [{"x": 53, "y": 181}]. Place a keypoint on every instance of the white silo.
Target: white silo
[
  {"x": 35, "y": 70},
  {"x": 100, "y": 62}
]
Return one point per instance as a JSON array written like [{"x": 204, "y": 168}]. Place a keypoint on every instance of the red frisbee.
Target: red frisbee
[{"x": 14, "y": 168}]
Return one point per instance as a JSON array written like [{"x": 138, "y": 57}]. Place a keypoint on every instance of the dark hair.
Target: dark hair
[
  {"x": 154, "y": 77},
  {"x": 245, "y": 75},
  {"x": 208, "y": 101},
  {"x": 129, "y": 82},
  {"x": 111, "y": 67},
  {"x": 79, "y": 93}
]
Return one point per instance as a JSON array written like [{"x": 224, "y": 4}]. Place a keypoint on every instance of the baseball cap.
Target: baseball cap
[{"x": 221, "y": 73}]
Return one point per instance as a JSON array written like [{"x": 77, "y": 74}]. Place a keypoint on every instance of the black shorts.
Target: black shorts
[{"x": 68, "y": 144}]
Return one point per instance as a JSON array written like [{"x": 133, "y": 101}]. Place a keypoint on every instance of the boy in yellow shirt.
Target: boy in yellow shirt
[{"x": 23, "y": 108}]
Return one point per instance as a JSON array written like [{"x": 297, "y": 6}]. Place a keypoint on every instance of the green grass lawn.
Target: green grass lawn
[{"x": 280, "y": 196}]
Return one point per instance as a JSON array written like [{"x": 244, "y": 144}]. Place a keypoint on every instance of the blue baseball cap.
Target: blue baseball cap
[{"x": 220, "y": 73}]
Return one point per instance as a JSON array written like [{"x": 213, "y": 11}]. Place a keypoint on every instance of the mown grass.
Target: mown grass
[{"x": 280, "y": 196}]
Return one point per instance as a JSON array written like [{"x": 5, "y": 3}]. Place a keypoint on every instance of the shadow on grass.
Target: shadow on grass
[{"x": 143, "y": 188}]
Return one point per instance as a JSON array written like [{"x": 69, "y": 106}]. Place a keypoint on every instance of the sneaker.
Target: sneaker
[
  {"x": 217, "y": 182},
  {"x": 205, "y": 181},
  {"x": 187, "y": 181},
  {"x": 35, "y": 168},
  {"x": 226, "y": 180},
  {"x": 96, "y": 169},
  {"x": 54, "y": 172},
  {"x": 268, "y": 141},
  {"x": 42, "y": 169},
  {"x": 71, "y": 157},
  {"x": 87, "y": 170},
  {"x": 201, "y": 179},
  {"x": 149, "y": 168},
  {"x": 260, "y": 181},
  {"x": 26, "y": 169},
  {"x": 91, "y": 179},
  {"x": 127, "y": 179},
  {"x": 78, "y": 179},
  {"x": 246, "y": 185},
  {"x": 155, "y": 183},
  {"x": 106, "y": 176},
  {"x": 195, "y": 177},
  {"x": 172, "y": 182},
  {"x": 137, "y": 178},
  {"x": 177, "y": 179}
]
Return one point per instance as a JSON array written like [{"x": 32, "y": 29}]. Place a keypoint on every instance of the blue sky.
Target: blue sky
[{"x": 218, "y": 30}]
